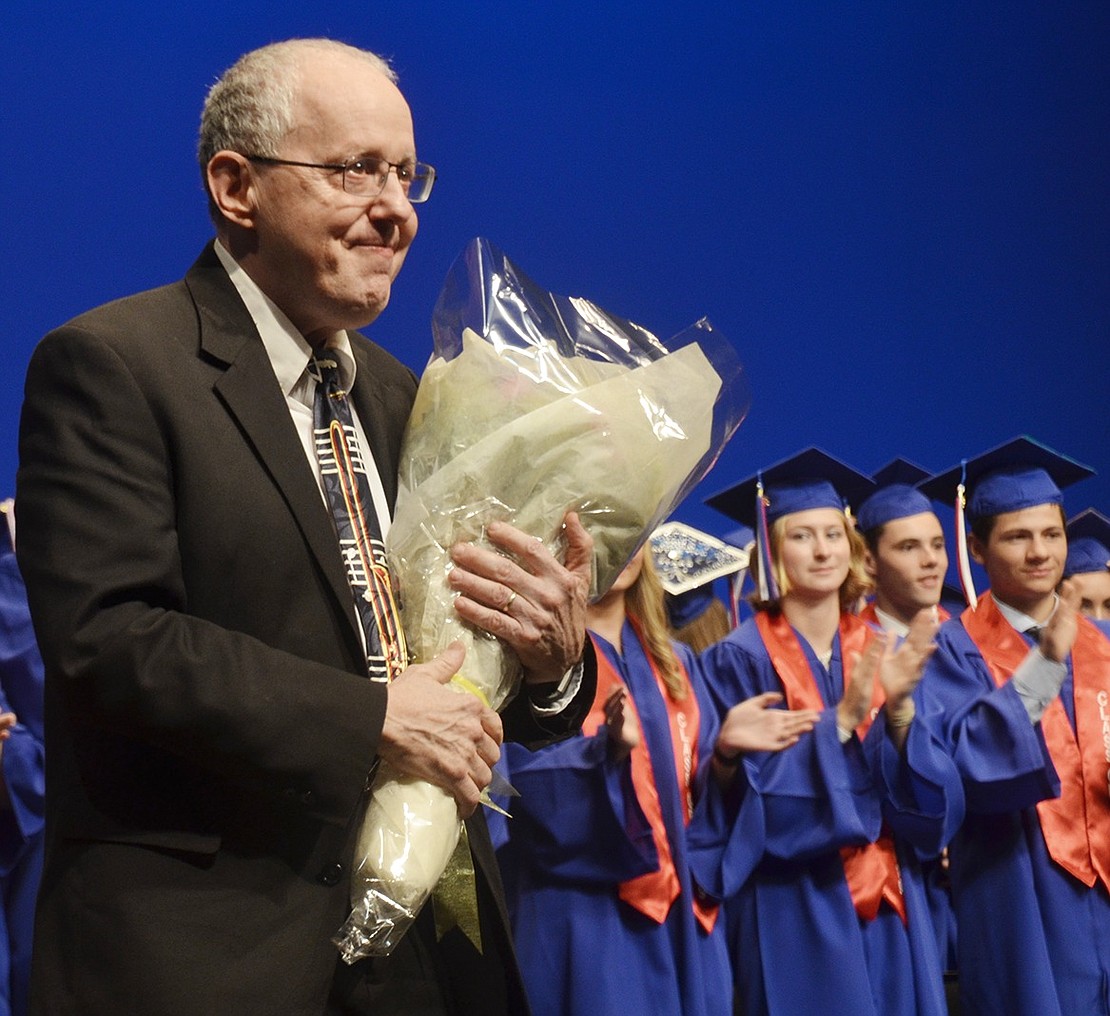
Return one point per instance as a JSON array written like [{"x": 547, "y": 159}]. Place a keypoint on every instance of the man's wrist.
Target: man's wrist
[{"x": 550, "y": 697}]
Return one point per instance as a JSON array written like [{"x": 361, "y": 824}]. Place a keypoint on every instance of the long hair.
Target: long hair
[
  {"x": 856, "y": 583},
  {"x": 644, "y": 604},
  {"x": 710, "y": 626}
]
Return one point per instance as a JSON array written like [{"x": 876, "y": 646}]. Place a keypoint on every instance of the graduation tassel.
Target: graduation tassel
[
  {"x": 768, "y": 587},
  {"x": 962, "y": 561}
]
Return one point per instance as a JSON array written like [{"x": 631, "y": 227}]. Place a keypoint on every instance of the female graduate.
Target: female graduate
[
  {"x": 825, "y": 903},
  {"x": 605, "y": 914}
]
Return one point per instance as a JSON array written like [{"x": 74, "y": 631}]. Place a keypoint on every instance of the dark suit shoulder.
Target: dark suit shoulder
[
  {"x": 380, "y": 361},
  {"x": 128, "y": 318}
]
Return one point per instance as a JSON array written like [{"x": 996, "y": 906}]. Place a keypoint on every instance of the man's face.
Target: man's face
[
  {"x": 1094, "y": 594},
  {"x": 328, "y": 258},
  {"x": 908, "y": 565},
  {"x": 1024, "y": 557}
]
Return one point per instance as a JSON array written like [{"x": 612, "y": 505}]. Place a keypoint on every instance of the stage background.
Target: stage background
[{"x": 899, "y": 213}]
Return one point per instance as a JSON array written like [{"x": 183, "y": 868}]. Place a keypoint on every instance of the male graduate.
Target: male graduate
[
  {"x": 906, "y": 556},
  {"x": 1024, "y": 681},
  {"x": 907, "y": 559},
  {"x": 207, "y": 472},
  {"x": 1088, "y": 563}
]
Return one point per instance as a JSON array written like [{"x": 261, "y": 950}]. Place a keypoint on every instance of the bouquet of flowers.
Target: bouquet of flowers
[{"x": 531, "y": 406}]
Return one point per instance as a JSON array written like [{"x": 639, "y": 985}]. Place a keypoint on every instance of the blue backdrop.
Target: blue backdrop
[{"x": 898, "y": 212}]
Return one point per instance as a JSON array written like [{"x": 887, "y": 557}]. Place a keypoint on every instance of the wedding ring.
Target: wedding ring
[{"x": 509, "y": 601}]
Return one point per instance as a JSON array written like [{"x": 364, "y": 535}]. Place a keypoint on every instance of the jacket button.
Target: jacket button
[{"x": 330, "y": 874}]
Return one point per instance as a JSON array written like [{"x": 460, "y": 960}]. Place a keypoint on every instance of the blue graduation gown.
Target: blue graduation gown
[
  {"x": 796, "y": 941},
  {"x": 1033, "y": 940},
  {"x": 576, "y": 833},
  {"x": 21, "y": 825}
]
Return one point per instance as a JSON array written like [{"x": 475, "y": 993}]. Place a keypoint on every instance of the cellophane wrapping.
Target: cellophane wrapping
[{"x": 532, "y": 405}]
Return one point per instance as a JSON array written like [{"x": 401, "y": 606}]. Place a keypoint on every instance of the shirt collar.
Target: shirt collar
[
  {"x": 891, "y": 624},
  {"x": 1023, "y": 622},
  {"x": 287, "y": 348}
]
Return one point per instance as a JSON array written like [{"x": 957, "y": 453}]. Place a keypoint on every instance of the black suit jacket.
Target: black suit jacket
[{"x": 209, "y": 723}]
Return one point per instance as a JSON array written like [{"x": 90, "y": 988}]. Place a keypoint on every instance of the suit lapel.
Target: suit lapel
[{"x": 250, "y": 391}]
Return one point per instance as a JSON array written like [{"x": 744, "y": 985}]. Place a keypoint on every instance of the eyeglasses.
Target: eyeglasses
[{"x": 366, "y": 177}]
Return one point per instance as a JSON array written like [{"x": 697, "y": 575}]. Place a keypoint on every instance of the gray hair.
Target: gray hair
[{"x": 249, "y": 109}]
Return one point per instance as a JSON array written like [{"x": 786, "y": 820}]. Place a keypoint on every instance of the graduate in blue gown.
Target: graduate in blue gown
[
  {"x": 906, "y": 560},
  {"x": 1088, "y": 563},
  {"x": 606, "y": 916},
  {"x": 826, "y": 906},
  {"x": 1024, "y": 684},
  {"x": 21, "y": 772}
]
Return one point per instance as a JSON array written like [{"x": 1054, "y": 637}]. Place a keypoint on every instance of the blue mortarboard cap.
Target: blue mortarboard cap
[
  {"x": 896, "y": 501},
  {"x": 810, "y": 479},
  {"x": 740, "y": 537},
  {"x": 683, "y": 608},
  {"x": 1088, "y": 540},
  {"x": 1021, "y": 473},
  {"x": 900, "y": 471},
  {"x": 896, "y": 497}
]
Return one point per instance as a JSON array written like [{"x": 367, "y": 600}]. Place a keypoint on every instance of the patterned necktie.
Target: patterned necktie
[{"x": 356, "y": 524}]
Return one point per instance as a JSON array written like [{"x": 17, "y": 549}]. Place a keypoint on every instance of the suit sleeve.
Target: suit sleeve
[{"x": 525, "y": 726}]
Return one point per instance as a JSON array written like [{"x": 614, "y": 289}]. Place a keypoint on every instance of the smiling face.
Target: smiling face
[
  {"x": 908, "y": 565},
  {"x": 1024, "y": 558},
  {"x": 814, "y": 552},
  {"x": 327, "y": 258}
]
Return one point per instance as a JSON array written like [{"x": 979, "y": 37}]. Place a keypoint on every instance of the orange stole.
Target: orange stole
[
  {"x": 871, "y": 871},
  {"x": 1076, "y": 825},
  {"x": 654, "y": 892}
]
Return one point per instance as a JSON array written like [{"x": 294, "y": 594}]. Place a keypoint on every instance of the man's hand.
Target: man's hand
[
  {"x": 900, "y": 672},
  {"x": 856, "y": 702},
  {"x": 530, "y": 600},
  {"x": 1058, "y": 635},
  {"x": 439, "y": 733},
  {"x": 900, "y": 669}
]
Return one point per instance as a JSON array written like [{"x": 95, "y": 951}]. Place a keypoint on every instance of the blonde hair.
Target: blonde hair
[
  {"x": 856, "y": 583},
  {"x": 710, "y": 626},
  {"x": 644, "y": 603}
]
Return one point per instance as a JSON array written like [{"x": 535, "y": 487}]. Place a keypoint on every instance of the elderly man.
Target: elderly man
[{"x": 221, "y": 675}]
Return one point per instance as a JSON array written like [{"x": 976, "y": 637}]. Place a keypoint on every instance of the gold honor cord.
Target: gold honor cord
[{"x": 455, "y": 897}]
